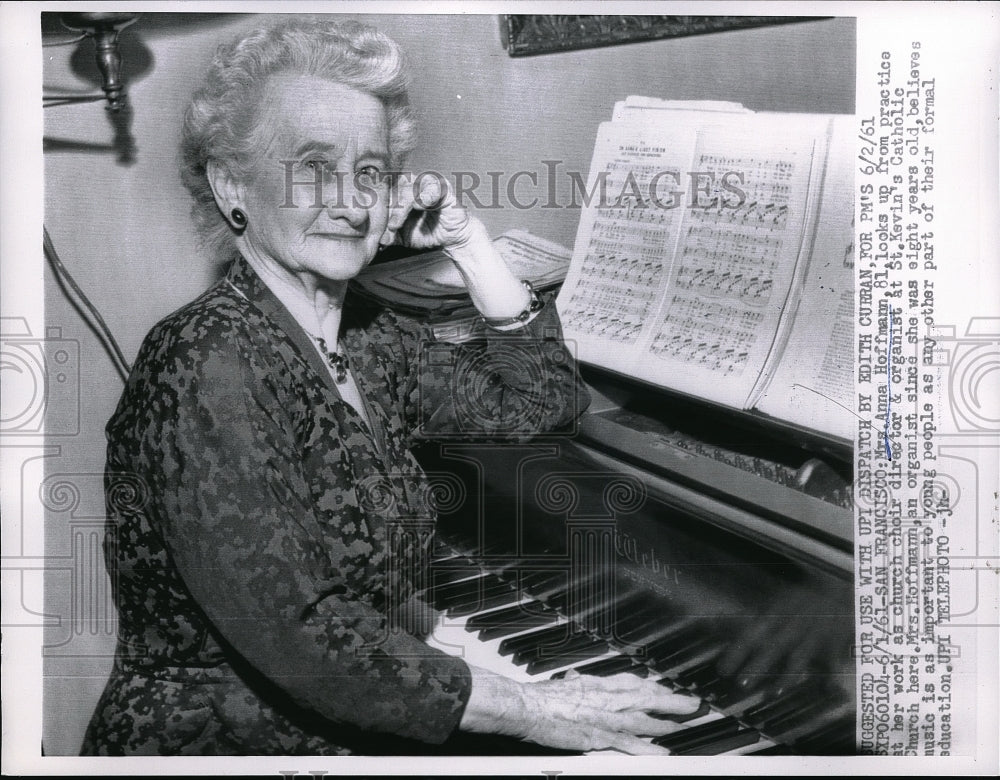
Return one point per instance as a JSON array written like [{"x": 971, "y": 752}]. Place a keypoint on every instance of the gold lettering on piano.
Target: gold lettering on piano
[{"x": 627, "y": 547}]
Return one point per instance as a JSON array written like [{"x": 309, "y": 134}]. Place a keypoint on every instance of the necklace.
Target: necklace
[{"x": 337, "y": 361}]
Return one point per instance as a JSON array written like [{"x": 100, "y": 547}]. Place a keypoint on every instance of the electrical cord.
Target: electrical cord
[{"x": 98, "y": 325}]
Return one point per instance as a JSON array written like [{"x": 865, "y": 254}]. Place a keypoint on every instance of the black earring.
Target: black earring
[{"x": 239, "y": 218}]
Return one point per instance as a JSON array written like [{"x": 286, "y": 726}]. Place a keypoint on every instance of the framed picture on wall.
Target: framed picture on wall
[{"x": 527, "y": 34}]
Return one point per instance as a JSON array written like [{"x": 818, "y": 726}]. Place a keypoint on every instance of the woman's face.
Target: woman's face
[{"x": 316, "y": 200}]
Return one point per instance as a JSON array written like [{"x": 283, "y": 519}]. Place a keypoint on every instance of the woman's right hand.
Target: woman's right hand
[{"x": 578, "y": 712}]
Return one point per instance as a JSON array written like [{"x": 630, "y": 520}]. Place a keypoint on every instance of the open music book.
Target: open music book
[{"x": 715, "y": 258}]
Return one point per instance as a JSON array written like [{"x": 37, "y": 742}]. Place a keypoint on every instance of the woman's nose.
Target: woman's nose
[{"x": 347, "y": 199}]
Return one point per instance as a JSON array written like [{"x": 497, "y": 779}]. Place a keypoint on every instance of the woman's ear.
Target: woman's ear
[
  {"x": 227, "y": 191},
  {"x": 400, "y": 205}
]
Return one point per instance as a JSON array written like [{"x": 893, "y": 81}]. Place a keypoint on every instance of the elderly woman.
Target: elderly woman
[{"x": 258, "y": 575}]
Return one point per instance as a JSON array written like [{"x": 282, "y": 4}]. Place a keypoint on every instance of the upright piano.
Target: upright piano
[{"x": 709, "y": 549}]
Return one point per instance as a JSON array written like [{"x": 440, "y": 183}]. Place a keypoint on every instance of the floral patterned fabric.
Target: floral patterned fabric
[{"x": 265, "y": 543}]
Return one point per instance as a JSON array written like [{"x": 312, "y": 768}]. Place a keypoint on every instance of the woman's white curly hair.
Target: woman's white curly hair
[{"x": 222, "y": 121}]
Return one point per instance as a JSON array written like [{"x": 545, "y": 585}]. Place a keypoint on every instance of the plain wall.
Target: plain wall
[{"x": 123, "y": 228}]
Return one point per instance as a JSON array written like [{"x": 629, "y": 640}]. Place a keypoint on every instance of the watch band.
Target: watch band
[{"x": 533, "y": 306}]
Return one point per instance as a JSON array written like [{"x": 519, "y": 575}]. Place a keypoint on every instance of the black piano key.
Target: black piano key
[
  {"x": 773, "y": 750},
  {"x": 617, "y": 604},
  {"x": 553, "y": 649},
  {"x": 547, "y": 663},
  {"x": 460, "y": 592},
  {"x": 488, "y": 599},
  {"x": 445, "y": 576},
  {"x": 648, "y": 625},
  {"x": 773, "y": 710},
  {"x": 443, "y": 590},
  {"x": 607, "y": 667},
  {"x": 509, "y": 614},
  {"x": 516, "y": 626},
  {"x": 670, "y": 660},
  {"x": 718, "y": 747},
  {"x": 699, "y": 735},
  {"x": 555, "y": 588},
  {"x": 780, "y": 723},
  {"x": 536, "y": 580},
  {"x": 782, "y": 699},
  {"x": 549, "y": 635},
  {"x": 653, "y": 638},
  {"x": 555, "y": 594}
]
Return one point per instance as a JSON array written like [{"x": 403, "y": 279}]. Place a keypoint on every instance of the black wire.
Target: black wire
[{"x": 103, "y": 332}]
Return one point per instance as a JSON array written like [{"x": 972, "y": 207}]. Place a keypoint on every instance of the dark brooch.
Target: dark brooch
[{"x": 336, "y": 361}]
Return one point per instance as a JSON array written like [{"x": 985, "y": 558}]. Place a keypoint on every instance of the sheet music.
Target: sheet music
[
  {"x": 701, "y": 298},
  {"x": 625, "y": 241},
  {"x": 736, "y": 261},
  {"x": 813, "y": 379}
]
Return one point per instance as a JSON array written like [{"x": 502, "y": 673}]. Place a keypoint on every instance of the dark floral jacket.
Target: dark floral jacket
[{"x": 261, "y": 537}]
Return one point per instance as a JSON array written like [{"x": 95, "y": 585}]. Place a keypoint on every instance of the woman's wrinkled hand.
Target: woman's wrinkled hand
[
  {"x": 425, "y": 214},
  {"x": 580, "y": 712}
]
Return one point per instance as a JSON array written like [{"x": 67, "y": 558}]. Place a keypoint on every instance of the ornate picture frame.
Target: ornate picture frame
[{"x": 528, "y": 34}]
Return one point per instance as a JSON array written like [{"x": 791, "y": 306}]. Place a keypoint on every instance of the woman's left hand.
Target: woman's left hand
[{"x": 430, "y": 216}]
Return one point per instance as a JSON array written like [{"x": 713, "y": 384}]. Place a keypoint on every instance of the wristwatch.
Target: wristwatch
[{"x": 533, "y": 306}]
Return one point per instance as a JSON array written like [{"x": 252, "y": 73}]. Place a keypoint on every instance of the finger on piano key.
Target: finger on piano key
[{"x": 699, "y": 714}]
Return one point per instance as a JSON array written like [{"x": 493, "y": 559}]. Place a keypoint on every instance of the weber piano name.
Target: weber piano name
[{"x": 627, "y": 547}]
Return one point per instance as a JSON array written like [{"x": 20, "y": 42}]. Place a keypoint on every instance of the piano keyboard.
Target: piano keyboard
[{"x": 488, "y": 622}]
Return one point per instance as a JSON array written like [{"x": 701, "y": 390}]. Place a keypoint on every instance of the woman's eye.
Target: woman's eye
[
  {"x": 314, "y": 165},
  {"x": 370, "y": 175}
]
